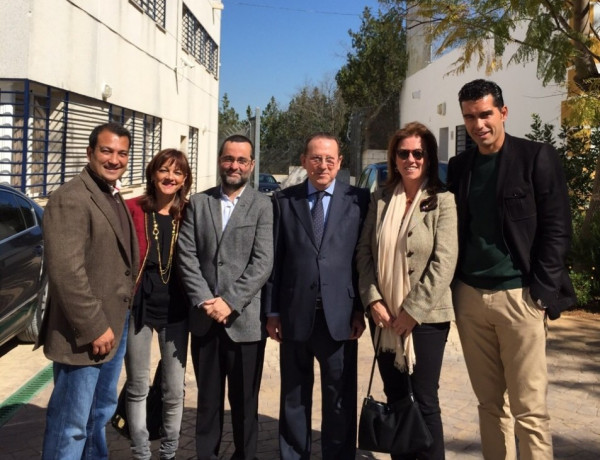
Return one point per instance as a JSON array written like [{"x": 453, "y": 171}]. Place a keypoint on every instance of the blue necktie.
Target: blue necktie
[{"x": 318, "y": 216}]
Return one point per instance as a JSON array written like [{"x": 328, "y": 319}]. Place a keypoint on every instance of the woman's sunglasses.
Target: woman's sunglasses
[{"x": 417, "y": 154}]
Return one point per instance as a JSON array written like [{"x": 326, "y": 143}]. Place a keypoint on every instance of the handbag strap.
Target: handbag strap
[{"x": 378, "y": 333}]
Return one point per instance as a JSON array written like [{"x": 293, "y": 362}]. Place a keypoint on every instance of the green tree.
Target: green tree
[
  {"x": 283, "y": 132},
  {"x": 541, "y": 132},
  {"x": 375, "y": 68},
  {"x": 579, "y": 150},
  {"x": 272, "y": 139},
  {"x": 580, "y": 153},
  {"x": 229, "y": 120}
]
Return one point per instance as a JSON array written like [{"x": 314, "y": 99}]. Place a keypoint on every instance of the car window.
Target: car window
[
  {"x": 372, "y": 179},
  {"x": 362, "y": 182},
  {"x": 28, "y": 212},
  {"x": 382, "y": 176},
  {"x": 12, "y": 220},
  {"x": 268, "y": 179}
]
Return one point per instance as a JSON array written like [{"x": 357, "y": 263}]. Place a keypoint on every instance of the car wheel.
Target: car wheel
[{"x": 30, "y": 334}]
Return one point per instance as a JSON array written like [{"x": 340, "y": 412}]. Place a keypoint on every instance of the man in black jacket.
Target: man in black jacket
[{"x": 514, "y": 235}]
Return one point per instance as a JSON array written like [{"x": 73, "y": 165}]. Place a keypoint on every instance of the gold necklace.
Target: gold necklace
[{"x": 167, "y": 270}]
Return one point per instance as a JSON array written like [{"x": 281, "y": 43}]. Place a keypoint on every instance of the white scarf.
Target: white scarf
[{"x": 392, "y": 275}]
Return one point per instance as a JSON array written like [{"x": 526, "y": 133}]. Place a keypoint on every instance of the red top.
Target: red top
[{"x": 139, "y": 222}]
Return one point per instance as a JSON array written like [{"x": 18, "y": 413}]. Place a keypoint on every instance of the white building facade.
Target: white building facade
[
  {"x": 430, "y": 95},
  {"x": 69, "y": 65}
]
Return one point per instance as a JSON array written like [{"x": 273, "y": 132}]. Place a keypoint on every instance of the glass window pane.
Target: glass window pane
[
  {"x": 27, "y": 212},
  {"x": 11, "y": 218}
]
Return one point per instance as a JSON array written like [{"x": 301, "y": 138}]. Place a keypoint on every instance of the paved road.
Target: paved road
[{"x": 574, "y": 400}]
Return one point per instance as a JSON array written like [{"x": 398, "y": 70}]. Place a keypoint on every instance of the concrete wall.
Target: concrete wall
[
  {"x": 83, "y": 45},
  {"x": 373, "y": 156}
]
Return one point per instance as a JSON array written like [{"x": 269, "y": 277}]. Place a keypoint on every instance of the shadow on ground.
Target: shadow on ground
[{"x": 268, "y": 444}]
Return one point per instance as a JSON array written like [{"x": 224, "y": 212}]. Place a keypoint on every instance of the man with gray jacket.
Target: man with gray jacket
[{"x": 225, "y": 256}]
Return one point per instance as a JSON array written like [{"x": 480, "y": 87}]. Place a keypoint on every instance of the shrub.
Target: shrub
[
  {"x": 583, "y": 288},
  {"x": 578, "y": 148}
]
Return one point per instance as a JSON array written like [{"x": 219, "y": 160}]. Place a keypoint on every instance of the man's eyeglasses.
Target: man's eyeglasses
[
  {"x": 417, "y": 154},
  {"x": 316, "y": 160},
  {"x": 242, "y": 161}
]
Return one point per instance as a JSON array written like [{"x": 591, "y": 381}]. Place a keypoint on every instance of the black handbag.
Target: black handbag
[
  {"x": 394, "y": 428},
  {"x": 153, "y": 409}
]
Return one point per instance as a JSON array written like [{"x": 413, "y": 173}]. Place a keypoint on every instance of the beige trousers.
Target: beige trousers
[{"x": 504, "y": 342}]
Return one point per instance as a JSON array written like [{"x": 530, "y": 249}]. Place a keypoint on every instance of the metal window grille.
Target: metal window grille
[
  {"x": 213, "y": 58},
  {"x": 463, "y": 140},
  {"x": 44, "y": 135},
  {"x": 197, "y": 42},
  {"x": 153, "y": 8},
  {"x": 192, "y": 152}
]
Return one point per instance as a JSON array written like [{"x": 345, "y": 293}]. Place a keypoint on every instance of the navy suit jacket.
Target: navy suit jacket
[
  {"x": 533, "y": 207},
  {"x": 300, "y": 265}
]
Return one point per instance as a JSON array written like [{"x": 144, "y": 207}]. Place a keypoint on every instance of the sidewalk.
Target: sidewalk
[{"x": 574, "y": 402}]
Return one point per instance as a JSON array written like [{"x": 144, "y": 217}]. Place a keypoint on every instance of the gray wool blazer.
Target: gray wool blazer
[
  {"x": 233, "y": 264},
  {"x": 432, "y": 252}
]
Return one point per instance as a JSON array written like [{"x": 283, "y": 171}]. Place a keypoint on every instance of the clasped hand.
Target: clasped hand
[
  {"x": 403, "y": 324},
  {"x": 217, "y": 309}
]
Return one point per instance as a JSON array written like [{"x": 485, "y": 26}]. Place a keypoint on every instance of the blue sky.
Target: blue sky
[{"x": 275, "y": 47}]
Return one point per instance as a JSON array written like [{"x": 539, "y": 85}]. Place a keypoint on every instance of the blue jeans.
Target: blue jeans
[
  {"x": 173, "y": 342},
  {"x": 82, "y": 402}
]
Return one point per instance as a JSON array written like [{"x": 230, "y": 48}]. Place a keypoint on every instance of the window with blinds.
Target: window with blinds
[
  {"x": 199, "y": 44},
  {"x": 44, "y": 135}
]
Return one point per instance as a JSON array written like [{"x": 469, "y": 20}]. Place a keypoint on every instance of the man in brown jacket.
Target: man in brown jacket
[{"x": 92, "y": 259}]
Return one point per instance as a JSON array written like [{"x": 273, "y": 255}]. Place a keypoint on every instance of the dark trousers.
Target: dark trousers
[
  {"x": 337, "y": 361},
  {"x": 216, "y": 357},
  {"x": 429, "y": 342}
]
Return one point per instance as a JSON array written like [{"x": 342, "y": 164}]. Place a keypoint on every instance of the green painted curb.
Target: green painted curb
[{"x": 23, "y": 395}]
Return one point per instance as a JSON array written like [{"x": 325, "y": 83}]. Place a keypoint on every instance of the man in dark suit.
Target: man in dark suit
[
  {"x": 312, "y": 304},
  {"x": 92, "y": 259},
  {"x": 225, "y": 256},
  {"x": 514, "y": 234}
]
